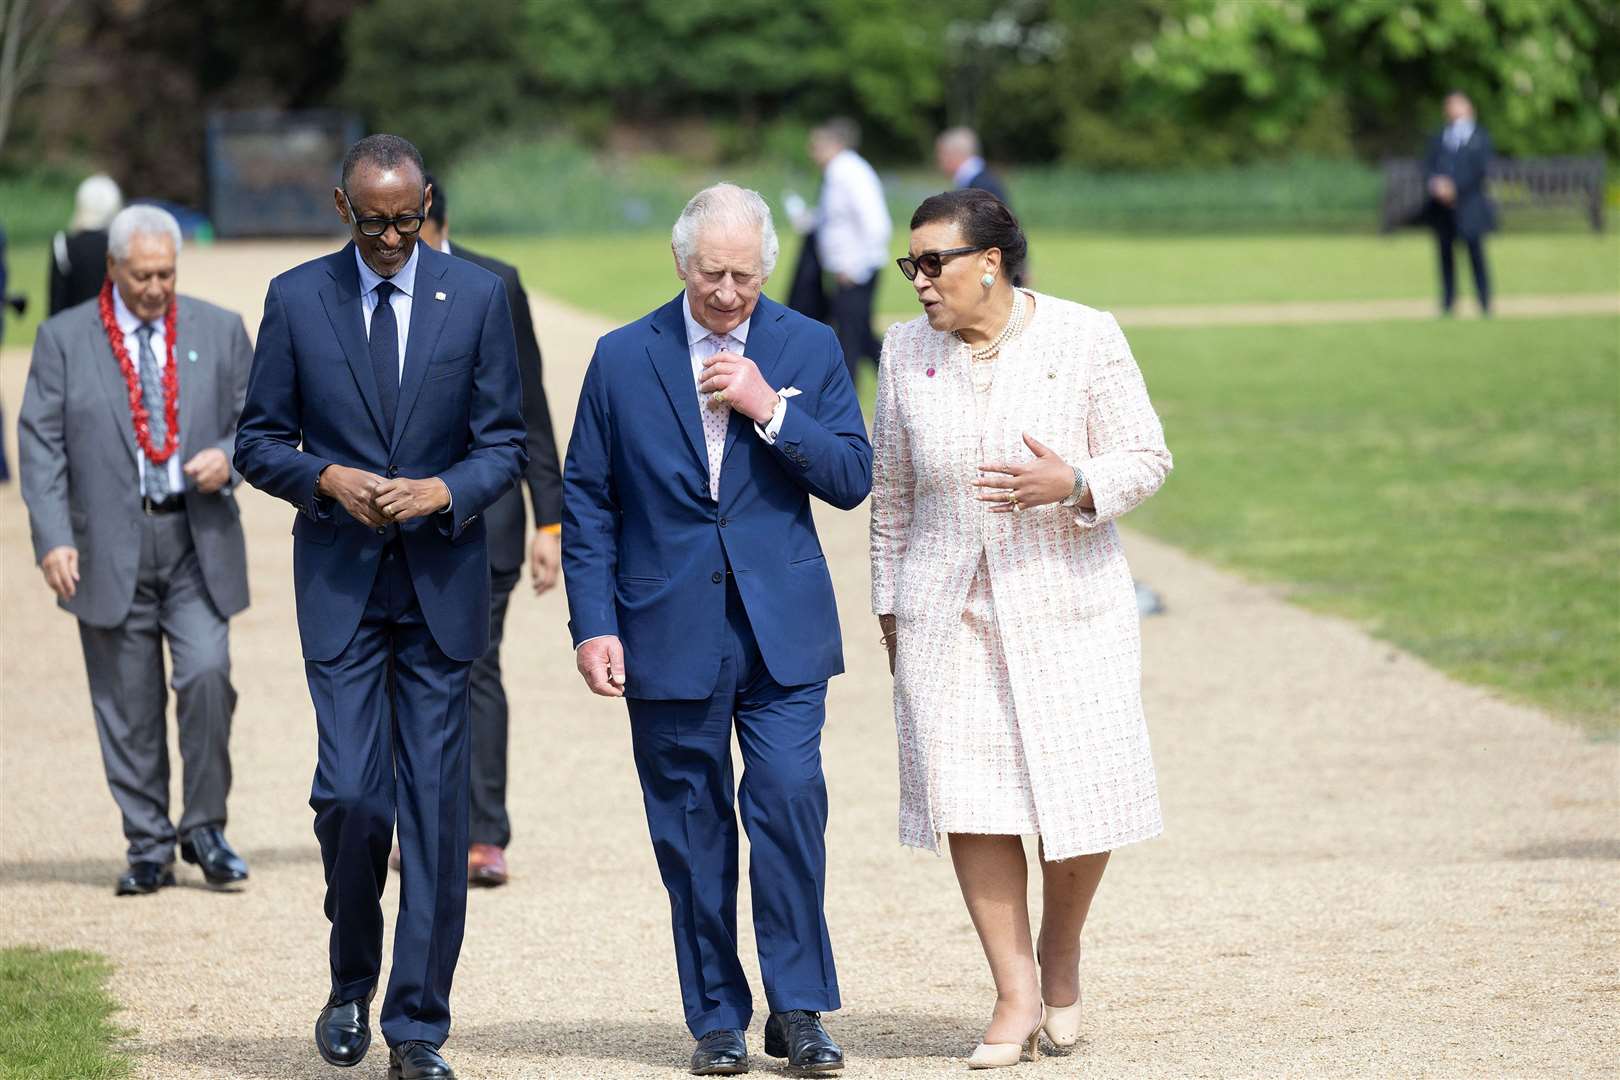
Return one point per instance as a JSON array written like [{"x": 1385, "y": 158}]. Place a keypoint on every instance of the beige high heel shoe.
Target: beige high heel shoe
[
  {"x": 1062, "y": 1025},
  {"x": 1006, "y": 1055}
]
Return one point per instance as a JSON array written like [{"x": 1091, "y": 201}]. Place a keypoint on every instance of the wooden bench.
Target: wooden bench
[{"x": 1513, "y": 183}]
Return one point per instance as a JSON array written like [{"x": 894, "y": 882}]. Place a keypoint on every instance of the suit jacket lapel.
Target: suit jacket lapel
[
  {"x": 185, "y": 333},
  {"x": 672, "y": 359},
  {"x": 428, "y": 315},
  {"x": 111, "y": 378},
  {"x": 766, "y": 340},
  {"x": 341, "y": 298}
]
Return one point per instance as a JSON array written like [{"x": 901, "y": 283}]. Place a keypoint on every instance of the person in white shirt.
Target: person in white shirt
[{"x": 852, "y": 230}]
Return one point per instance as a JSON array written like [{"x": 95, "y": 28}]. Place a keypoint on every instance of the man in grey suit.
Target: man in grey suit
[{"x": 125, "y": 437}]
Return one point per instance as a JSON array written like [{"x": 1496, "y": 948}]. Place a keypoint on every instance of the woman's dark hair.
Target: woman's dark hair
[{"x": 984, "y": 220}]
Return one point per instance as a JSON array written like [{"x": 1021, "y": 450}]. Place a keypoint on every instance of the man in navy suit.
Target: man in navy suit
[
  {"x": 1454, "y": 170},
  {"x": 384, "y": 405},
  {"x": 698, "y": 591}
]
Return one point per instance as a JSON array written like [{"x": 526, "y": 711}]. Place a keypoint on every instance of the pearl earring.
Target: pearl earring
[{"x": 988, "y": 280}]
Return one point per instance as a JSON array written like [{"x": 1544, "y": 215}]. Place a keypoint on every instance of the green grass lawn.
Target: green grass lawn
[
  {"x": 1454, "y": 487},
  {"x": 55, "y": 1016},
  {"x": 625, "y": 275}
]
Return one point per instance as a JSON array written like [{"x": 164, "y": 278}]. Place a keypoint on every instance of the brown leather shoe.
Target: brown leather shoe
[{"x": 486, "y": 865}]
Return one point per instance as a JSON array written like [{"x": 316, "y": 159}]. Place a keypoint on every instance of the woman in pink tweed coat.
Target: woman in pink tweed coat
[{"x": 1012, "y": 429}]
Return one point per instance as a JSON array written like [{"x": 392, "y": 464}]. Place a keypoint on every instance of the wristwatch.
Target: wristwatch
[{"x": 1080, "y": 489}]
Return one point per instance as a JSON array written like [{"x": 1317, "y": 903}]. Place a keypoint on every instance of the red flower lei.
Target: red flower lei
[{"x": 132, "y": 379}]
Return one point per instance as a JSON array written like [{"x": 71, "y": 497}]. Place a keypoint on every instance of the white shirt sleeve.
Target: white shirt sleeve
[{"x": 773, "y": 427}]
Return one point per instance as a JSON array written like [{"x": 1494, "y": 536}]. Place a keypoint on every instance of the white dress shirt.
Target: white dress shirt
[
  {"x": 697, "y": 341},
  {"x": 1458, "y": 134},
  {"x": 129, "y": 323},
  {"x": 404, "y": 282},
  {"x": 852, "y": 223}
]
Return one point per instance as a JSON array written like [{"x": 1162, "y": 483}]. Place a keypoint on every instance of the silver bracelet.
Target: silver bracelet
[{"x": 1080, "y": 489}]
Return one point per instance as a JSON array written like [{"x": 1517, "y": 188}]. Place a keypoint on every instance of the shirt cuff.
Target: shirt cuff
[
  {"x": 588, "y": 640},
  {"x": 773, "y": 427}
]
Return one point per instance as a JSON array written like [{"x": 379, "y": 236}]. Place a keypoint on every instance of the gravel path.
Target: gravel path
[{"x": 1369, "y": 870}]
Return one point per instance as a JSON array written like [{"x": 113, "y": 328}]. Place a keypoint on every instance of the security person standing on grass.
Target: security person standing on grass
[{"x": 506, "y": 525}]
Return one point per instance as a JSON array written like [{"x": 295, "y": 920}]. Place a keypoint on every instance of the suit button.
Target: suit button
[
  {"x": 381, "y": 529},
  {"x": 724, "y": 522},
  {"x": 393, "y": 470},
  {"x": 717, "y": 577}
]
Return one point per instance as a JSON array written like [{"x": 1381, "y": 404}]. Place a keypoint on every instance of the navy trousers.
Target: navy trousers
[
  {"x": 683, "y": 756},
  {"x": 1446, "y": 236},
  {"x": 391, "y": 713}
]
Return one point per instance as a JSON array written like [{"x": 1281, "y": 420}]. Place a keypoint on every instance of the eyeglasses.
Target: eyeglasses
[
  {"x": 930, "y": 264},
  {"x": 405, "y": 224}
]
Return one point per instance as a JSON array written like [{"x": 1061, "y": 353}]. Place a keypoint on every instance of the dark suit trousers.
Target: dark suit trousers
[
  {"x": 1446, "y": 234},
  {"x": 683, "y": 756},
  {"x": 850, "y": 307},
  {"x": 391, "y": 714},
  {"x": 125, "y": 665},
  {"x": 490, "y": 824}
]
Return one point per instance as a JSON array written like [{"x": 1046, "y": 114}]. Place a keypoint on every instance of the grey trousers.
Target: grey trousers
[
  {"x": 125, "y": 665},
  {"x": 490, "y": 824}
]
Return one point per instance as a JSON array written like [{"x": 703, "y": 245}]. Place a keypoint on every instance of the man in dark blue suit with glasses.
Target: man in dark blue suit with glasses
[{"x": 384, "y": 405}]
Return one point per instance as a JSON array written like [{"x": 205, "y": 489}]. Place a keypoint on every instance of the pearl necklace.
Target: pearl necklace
[{"x": 1014, "y": 327}]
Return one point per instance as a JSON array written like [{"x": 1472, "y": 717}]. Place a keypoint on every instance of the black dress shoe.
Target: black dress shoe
[
  {"x": 798, "y": 1036},
  {"x": 720, "y": 1053},
  {"x": 418, "y": 1061},
  {"x": 145, "y": 877},
  {"x": 209, "y": 850},
  {"x": 343, "y": 1030}
]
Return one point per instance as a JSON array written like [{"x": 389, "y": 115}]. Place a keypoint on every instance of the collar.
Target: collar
[
  {"x": 128, "y": 321},
  {"x": 404, "y": 278},
  {"x": 970, "y": 168},
  {"x": 1462, "y": 129},
  {"x": 696, "y": 331}
]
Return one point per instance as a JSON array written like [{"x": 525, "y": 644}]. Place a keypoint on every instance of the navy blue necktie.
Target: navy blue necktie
[{"x": 385, "y": 354}]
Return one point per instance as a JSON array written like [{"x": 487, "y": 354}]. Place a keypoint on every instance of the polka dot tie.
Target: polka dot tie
[{"x": 716, "y": 417}]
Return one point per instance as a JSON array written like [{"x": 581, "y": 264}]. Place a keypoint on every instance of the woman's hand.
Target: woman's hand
[
  {"x": 890, "y": 637},
  {"x": 1047, "y": 479}
]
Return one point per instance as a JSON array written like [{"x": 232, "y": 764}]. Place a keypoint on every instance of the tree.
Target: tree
[
  {"x": 1542, "y": 72},
  {"x": 26, "y": 34}
]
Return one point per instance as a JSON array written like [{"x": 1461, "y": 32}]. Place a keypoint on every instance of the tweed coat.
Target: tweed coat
[{"x": 1063, "y": 598}]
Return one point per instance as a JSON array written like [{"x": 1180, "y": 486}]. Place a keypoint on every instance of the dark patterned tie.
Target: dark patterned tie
[
  {"x": 155, "y": 486},
  {"x": 385, "y": 354}
]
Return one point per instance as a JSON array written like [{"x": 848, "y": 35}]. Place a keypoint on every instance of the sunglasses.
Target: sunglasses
[
  {"x": 930, "y": 264},
  {"x": 405, "y": 224}
]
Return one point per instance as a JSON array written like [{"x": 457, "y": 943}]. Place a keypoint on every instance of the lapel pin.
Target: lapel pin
[
  {"x": 930, "y": 372},
  {"x": 192, "y": 355},
  {"x": 438, "y": 296}
]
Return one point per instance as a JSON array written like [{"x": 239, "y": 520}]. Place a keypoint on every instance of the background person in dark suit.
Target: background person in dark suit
[
  {"x": 384, "y": 405},
  {"x": 79, "y": 254},
  {"x": 698, "y": 591},
  {"x": 957, "y": 154},
  {"x": 509, "y": 539},
  {"x": 1454, "y": 170},
  {"x": 140, "y": 538}
]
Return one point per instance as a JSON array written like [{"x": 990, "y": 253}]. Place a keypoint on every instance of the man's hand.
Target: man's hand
[
  {"x": 210, "y": 470},
  {"x": 601, "y": 661},
  {"x": 352, "y": 488},
  {"x": 1008, "y": 488},
  {"x": 1443, "y": 188},
  {"x": 401, "y": 499},
  {"x": 745, "y": 388},
  {"x": 61, "y": 569},
  {"x": 545, "y": 560}
]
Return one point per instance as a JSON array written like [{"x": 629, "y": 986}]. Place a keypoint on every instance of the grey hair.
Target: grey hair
[
  {"x": 140, "y": 220},
  {"x": 964, "y": 139},
  {"x": 95, "y": 203},
  {"x": 725, "y": 204}
]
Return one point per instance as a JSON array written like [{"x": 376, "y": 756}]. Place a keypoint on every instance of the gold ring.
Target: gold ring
[
  {"x": 719, "y": 397},
  {"x": 1012, "y": 496}
]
